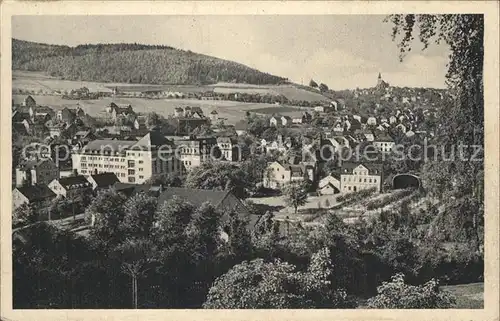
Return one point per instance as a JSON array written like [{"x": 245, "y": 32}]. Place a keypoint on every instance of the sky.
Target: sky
[{"x": 342, "y": 51}]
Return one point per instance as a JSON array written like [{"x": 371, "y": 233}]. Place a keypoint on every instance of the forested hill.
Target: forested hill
[{"x": 132, "y": 63}]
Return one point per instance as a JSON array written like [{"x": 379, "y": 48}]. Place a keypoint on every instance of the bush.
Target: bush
[{"x": 399, "y": 295}]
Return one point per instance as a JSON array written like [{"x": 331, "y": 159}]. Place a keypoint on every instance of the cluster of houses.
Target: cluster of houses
[
  {"x": 30, "y": 117},
  {"x": 348, "y": 132}
]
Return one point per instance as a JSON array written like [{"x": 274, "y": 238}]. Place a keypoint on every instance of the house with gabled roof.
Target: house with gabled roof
[
  {"x": 32, "y": 194},
  {"x": 71, "y": 186},
  {"x": 29, "y": 102},
  {"x": 102, "y": 181},
  {"x": 329, "y": 185},
  {"x": 278, "y": 175},
  {"x": 384, "y": 143},
  {"x": 66, "y": 115}
]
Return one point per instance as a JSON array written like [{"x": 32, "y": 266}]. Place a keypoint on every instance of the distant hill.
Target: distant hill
[{"x": 132, "y": 63}]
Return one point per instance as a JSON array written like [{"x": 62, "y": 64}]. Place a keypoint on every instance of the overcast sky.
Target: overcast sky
[{"x": 343, "y": 51}]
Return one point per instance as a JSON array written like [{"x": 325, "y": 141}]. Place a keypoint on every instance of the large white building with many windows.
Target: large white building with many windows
[
  {"x": 356, "y": 176},
  {"x": 131, "y": 161}
]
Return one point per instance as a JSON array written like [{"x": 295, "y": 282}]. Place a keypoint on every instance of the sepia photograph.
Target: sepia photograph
[{"x": 321, "y": 161}]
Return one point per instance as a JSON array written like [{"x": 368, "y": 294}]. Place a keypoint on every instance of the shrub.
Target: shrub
[{"x": 399, "y": 295}]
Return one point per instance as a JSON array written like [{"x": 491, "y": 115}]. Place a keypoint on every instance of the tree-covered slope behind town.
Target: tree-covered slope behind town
[{"x": 132, "y": 63}]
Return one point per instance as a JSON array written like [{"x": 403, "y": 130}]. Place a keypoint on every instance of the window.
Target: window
[
  {"x": 140, "y": 162},
  {"x": 141, "y": 177},
  {"x": 349, "y": 187},
  {"x": 83, "y": 158},
  {"x": 131, "y": 163},
  {"x": 282, "y": 176},
  {"x": 131, "y": 179},
  {"x": 365, "y": 180},
  {"x": 131, "y": 172}
]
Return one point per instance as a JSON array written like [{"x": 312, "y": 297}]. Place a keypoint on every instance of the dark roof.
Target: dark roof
[
  {"x": 384, "y": 138},
  {"x": 104, "y": 179},
  {"x": 43, "y": 109},
  {"x": 373, "y": 168},
  {"x": 20, "y": 128},
  {"x": 74, "y": 182},
  {"x": 153, "y": 139},
  {"x": 129, "y": 189},
  {"x": 225, "y": 139},
  {"x": 36, "y": 192},
  {"x": 107, "y": 145},
  {"x": 29, "y": 164},
  {"x": 213, "y": 112},
  {"x": 193, "y": 196}
]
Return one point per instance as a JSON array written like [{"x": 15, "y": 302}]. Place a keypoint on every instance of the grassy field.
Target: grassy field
[
  {"x": 468, "y": 296},
  {"x": 37, "y": 81},
  {"x": 291, "y": 92},
  {"x": 282, "y": 110}
]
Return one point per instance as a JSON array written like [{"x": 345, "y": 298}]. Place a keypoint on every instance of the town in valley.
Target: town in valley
[{"x": 207, "y": 189}]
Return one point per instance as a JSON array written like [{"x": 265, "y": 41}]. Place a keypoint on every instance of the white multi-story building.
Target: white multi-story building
[
  {"x": 197, "y": 150},
  {"x": 131, "y": 161}
]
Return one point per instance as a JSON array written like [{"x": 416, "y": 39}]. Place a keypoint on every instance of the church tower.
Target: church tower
[{"x": 379, "y": 80}]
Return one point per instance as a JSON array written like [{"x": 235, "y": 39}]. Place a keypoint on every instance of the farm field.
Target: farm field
[
  {"x": 36, "y": 81},
  {"x": 289, "y": 91}
]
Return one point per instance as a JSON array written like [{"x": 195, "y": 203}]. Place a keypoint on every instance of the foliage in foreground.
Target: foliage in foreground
[
  {"x": 273, "y": 285},
  {"x": 399, "y": 295}
]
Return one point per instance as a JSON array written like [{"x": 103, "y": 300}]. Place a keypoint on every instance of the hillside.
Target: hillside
[{"x": 132, "y": 63}]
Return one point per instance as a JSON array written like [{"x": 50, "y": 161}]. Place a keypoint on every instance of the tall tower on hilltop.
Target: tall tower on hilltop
[{"x": 381, "y": 84}]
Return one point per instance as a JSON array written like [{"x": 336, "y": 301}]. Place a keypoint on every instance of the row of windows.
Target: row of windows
[
  {"x": 84, "y": 158},
  {"x": 369, "y": 180},
  {"x": 84, "y": 165},
  {"x": 83, "y": 171}
]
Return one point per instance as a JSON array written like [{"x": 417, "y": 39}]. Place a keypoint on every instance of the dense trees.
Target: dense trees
[
  {"x": 273, "y": 285},
  {"x": 461, "y": 173},
  {"x": 132, "y": 63},
  {"x": 220, "y": 176}
]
